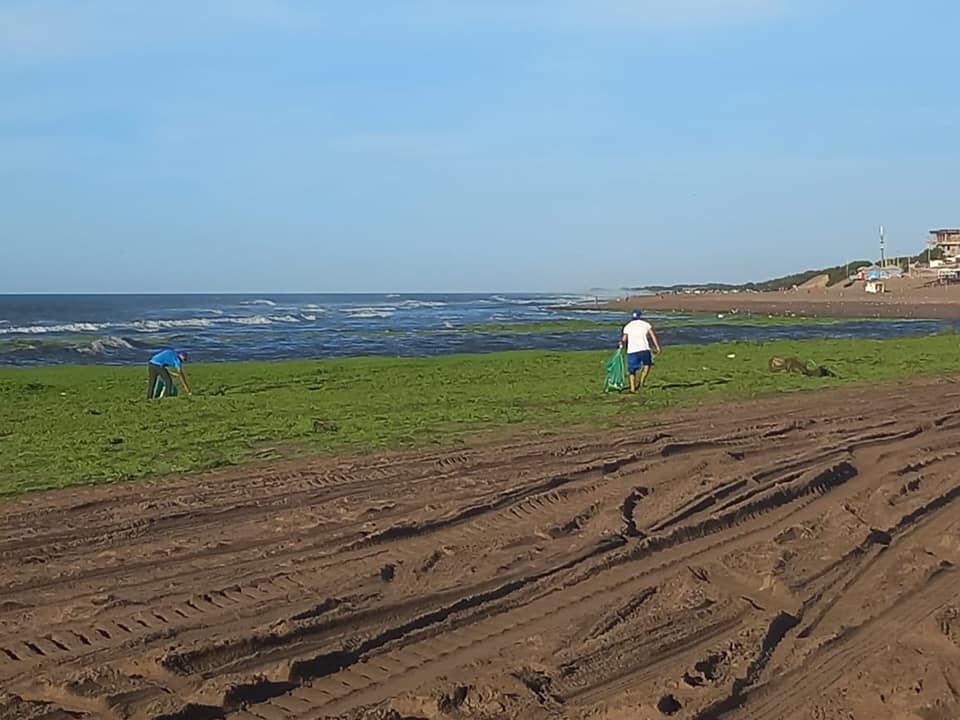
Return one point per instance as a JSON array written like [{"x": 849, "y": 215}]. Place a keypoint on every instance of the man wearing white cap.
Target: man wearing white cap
[
  {"x": 158, "y": 369},
  {"x": 637, "y": 336}
]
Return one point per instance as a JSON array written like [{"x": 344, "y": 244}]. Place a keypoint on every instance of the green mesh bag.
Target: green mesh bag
[
  {"x": 159, "y": 390},
  {"x": 616, "y": 373}
]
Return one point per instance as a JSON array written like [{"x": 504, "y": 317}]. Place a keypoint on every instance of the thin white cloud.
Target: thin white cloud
[
  {"x": 407, "y": 144},
  {"x": 26, "y": 31},
  {"x": 58, "y": 29},
  {"x": 630, "y": 14}
]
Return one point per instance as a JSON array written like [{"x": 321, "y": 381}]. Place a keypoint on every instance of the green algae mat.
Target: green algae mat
[{"x": 62, "y": 426}]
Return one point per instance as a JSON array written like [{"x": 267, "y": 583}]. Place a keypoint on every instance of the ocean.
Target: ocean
[{"x": 123, "y": 329}]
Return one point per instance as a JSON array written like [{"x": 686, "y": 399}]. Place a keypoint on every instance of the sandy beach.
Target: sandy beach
[
  {"x": 793, "y": 557},
  {"x": 903, "y": 299}
]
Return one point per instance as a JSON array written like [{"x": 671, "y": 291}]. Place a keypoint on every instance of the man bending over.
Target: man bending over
[{"x": 158, "y": 369}]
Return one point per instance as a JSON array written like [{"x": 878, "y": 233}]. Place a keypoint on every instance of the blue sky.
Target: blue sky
[{"x": 441, "y": 145}]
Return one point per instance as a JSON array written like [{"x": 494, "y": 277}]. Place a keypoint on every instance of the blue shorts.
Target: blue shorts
[{"x": 637, "y": 360}]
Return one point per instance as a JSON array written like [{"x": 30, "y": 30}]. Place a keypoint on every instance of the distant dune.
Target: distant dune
[{"x": 903, "y": 298}]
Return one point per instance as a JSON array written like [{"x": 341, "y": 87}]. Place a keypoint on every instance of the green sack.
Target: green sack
[
  {"x": 159, "y": 390},
  {"x": 616, "y": 369}
]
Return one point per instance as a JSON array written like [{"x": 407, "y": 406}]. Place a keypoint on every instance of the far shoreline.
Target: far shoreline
[{"x": 903, "y": 302}]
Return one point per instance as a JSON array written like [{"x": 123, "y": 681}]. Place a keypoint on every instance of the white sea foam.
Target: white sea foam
[
  {"x": 251, "y": 320},
  {"x": 78, "y": 327},
  {"x": 260, "y": 301},
  {"x": 156, "y": 325},
  {"x": 369, "y": 308},
  {"x": 517, "y": 301},
  {"x": 370, "y": 312},
  {"x": 101, "y": 345},
  {"x": 569, "y": 300},
  {"x": 201, "y": 322},
  {"x": 415, "y": 304},
  {"x": 546, "y": 300}
]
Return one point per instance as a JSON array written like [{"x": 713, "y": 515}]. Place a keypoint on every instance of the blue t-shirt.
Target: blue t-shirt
[{"x": 166, "y": 358}]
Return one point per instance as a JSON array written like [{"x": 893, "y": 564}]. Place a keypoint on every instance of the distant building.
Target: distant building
[
  {"x": 875, "y": 272},
  {"x": 947, "y": 241}
]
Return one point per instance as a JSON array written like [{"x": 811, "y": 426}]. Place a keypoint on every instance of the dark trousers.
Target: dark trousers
[{"x": 156, "y": 371}]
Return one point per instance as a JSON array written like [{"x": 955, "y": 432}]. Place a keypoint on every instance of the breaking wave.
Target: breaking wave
[
  {"x": 549, "y": 300},
  {"x": 267, "y": 319},
  {"x": 156, "y": 325},
  {"x": 78, "y": 327},
  {"x": 103, "y": 345},
  {"x": 286, "y": 319},
  {"x": 152, "y": 326},
  {"x": 370, "y": 312},
  {"x": 417, "y": 304}
]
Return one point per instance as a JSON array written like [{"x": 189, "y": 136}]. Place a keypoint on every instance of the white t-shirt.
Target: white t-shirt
[{"x": 636, "y": 332}]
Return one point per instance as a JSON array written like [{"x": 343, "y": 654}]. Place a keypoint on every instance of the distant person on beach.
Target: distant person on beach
[
  {"x": 158, "y": 369},
  {"x": 637, "y": 336}
]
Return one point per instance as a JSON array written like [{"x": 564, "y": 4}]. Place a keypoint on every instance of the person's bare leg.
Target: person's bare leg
[
  {"x": 633, "y": 382},
  {"x": 643, "y": 375}
]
